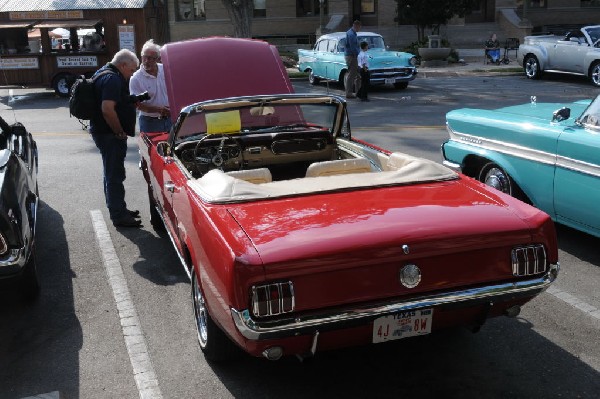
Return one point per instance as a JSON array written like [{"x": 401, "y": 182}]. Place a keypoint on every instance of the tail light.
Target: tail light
[
  {"x": 529, "y": 260},
  {"x": 273, "y": 299}
]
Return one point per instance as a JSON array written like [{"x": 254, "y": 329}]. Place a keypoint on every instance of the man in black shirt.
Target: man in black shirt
[{"x": 113, "y": 123}]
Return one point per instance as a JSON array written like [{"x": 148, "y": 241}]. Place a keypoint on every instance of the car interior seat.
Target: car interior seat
[
  {"x": 256, "y": 176},
  {"x": 339, "y": 167}
]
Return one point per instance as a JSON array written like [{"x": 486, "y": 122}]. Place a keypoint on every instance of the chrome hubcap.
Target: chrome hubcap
[
  {"x": 496, "y": 178},
  {"x": 531, "y": 67},
  {"x": 62, "y": 86},
  {"x": 200, "y": 312},
  {"x": 596, "y": 75}
]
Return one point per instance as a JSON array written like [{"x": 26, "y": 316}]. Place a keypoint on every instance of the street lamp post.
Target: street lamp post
[{"x": 321, "y": 2}]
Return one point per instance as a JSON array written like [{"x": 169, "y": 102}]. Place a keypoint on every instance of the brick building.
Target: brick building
[{"x": 298, "y": 21}]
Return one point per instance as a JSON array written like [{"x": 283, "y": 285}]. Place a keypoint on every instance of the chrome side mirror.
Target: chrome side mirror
[
  {"x": 163, "y": 149},
  {"x": 561, "y": 114}
]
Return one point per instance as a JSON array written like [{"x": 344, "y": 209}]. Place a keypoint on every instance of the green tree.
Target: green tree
[
  {"x": 431, "y": 13},
  {"x": 240, "y": 13}
]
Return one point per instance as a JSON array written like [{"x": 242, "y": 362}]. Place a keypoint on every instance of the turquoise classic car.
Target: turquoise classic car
[
  {"x": 546, "y": 154},
  {"x": 326, "y": 61}
]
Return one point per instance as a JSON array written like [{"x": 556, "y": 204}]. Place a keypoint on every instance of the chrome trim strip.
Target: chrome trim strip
[
  {"x": 281, "y": 328},
  {"x": 181, "y": 259},
  {"x": 525, "y": 153}
]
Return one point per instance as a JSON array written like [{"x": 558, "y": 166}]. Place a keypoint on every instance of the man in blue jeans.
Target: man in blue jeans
[
  {"x": 351, "y": 55},
  {"x": 113, "y": 122}
]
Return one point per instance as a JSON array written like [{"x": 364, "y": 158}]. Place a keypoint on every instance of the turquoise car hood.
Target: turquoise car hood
[
  {"x": 529, "y": 112},
  {"x": 512, "y": 119}
]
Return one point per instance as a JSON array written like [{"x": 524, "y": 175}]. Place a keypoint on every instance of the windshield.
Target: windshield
[
  {"x": 594, "y": 33},
  {"x": 590, "y": 118},
  {"x": 375, "y": 42},
  {"x": 252, "y": 117}
]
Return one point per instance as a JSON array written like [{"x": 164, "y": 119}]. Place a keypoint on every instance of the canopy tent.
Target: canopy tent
[
  {"x": 61, "y": 32},
  {"x": 36, "y": 34}
]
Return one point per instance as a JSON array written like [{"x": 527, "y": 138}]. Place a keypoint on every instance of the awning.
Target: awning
[
  {"x": 16, "y": 24},
  {"x": 71, "y": 23}
]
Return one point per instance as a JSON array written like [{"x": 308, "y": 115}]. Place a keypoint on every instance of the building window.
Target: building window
[
  {"x": 538, "y": 3},
  {"x": 590, "y": 3},
  {"x": 189, "y": 10},
  {"x": 367, "y": 6},
  {"x": 260, "y": 8},
  {"x": 310, "y": 8}
]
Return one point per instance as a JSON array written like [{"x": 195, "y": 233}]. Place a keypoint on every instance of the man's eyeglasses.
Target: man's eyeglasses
[{"x": 149, "y": 57}]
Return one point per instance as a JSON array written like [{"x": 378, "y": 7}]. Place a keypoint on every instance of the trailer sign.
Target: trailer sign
[
  {"x": 77, "y": 61},
  {"x": 19, "y": 63}
]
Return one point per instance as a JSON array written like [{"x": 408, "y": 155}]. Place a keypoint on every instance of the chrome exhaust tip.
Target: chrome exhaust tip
[{"x": 273, "y": 353}]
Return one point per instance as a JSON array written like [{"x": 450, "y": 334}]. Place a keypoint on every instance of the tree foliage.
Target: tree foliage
[
  {"x": 240, "y": 13},
  {"x": 431, "y": 13}
]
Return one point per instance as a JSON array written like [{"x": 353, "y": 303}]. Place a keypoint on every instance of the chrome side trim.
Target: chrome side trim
[
  {"x": 181, "y": 258},
  {"x": 281, "y": 328},
  {"x": 525, "y": 153}
]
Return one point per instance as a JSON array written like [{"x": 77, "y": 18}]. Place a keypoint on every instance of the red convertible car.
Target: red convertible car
[{"x": 299, "y": 238}]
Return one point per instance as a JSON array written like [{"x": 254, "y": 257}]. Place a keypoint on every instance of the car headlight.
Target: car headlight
[
  {"x": 273, "y": 299},
  {"x": 413, "y": 61}
]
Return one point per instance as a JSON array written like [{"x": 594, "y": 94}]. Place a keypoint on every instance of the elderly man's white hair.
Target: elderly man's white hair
[
  {"x": 125, "y": 56},
  {"x": 150, "y": 45}
]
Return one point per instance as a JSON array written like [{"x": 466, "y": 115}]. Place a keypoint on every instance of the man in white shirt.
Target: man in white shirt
[{"x": 154, "y": 114}]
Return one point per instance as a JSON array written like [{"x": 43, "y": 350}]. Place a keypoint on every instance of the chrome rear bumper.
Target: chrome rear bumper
[{"x": 357, "y": 315}]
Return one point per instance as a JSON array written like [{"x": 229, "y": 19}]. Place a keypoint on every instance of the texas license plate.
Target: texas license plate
[
  {"x": 390, "y": 81},
  {"x": 402, "y": 325}
]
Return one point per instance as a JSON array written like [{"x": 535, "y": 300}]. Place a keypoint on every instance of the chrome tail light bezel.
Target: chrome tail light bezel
[
  {"x": 273, "y": 299},
  {"x": 529, "y": 260}
]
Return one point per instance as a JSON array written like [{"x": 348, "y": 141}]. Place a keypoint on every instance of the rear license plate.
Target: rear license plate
[
  {"x": 402, "y": 325},
  {"x": 390, "y": 81}
]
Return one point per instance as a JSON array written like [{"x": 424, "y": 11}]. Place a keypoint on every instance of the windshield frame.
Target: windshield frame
[{"x": 260, "y": 101}]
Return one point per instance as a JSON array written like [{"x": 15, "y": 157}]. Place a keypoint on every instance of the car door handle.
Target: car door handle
[{"x": 170, "y": 187}]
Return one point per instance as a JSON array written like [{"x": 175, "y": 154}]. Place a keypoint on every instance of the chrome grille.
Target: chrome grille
[
  {"x": 529, "y": 260},
  {"x": 273, "y": 299}
]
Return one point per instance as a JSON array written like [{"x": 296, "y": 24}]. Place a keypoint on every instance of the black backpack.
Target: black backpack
[{"x": 82, "y": 103}]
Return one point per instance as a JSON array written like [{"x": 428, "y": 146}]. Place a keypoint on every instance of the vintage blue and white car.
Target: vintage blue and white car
[
  {"x": 546, "y": 154},
  {"x": 578, "y": 52},
  {"x": 326, "y": 61}
]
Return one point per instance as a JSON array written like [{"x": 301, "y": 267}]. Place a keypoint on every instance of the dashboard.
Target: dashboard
[{"x": 248, "y": 152}]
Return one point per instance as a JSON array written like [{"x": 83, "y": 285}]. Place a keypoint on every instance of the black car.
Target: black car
[{"x": 18, "y": 209}]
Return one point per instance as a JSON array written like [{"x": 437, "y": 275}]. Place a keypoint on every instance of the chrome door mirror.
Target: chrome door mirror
[{"x": 561, "y": 114}]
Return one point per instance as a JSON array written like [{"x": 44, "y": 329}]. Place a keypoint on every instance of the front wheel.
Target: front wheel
[
  {"x": 312, "y": 79},
  {"x": 215, "y": 345},
  {"x": 62, "y": 84},
  {"x": 595, "y": 73},
  {"x": 532, "y": 67},
  {"x": 494, "y": 176}
]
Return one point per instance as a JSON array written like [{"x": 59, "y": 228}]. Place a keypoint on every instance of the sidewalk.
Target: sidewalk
[{"x": 472, "y": 65}]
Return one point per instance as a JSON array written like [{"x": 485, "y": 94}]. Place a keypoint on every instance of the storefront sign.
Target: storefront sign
[
  {"x": 68, "y": 14},
  {"x": 19, "y": 63},
  {"x": 77, "y": 61},
  {"x": 126, "y": 37}
]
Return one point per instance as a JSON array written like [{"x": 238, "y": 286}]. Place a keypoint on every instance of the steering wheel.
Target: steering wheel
[{"x": 218, "y": 159}]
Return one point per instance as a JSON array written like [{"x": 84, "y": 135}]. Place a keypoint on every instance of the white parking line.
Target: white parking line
[
  {"x": 49, "y": 395},
  {"x": 575, "y": 302},
  {"x": 143, "y": 372}
]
